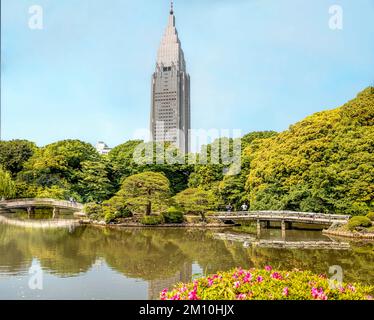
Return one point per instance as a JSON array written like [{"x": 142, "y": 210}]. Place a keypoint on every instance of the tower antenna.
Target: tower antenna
[{"x": 172, "y": 7}]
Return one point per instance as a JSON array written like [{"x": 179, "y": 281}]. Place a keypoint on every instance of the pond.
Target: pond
[{"x": 108, "y": 263}]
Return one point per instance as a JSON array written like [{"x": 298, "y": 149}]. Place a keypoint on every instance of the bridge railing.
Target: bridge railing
[
  {"x": 40, "y": 201},
  {"x": 282, "y": 214}
]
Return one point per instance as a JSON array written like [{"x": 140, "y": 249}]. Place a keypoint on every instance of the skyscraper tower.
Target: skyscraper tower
[{"x": 170, "y": 109}]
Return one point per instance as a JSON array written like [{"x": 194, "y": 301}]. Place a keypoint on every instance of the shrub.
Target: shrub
[
  {"x": 266, "y": 284},
  {"x": 193, "y": 219},
  {"x": 118, "y": 206},
  {"x": 358, "y": 221},
  {"x": 94, "y": 211},
  {"x": 173, "y": 215},
  {"x": 151, "y": 220},
  {"x": 109, "y": 217},
  {"x": 370, "y": 215}
]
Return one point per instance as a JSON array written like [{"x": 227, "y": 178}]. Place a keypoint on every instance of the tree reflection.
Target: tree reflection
[{"x": 163, "y": 254}]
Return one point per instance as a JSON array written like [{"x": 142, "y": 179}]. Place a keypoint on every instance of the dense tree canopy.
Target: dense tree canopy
[
  {"x": 144, "y": 190},
  {"x": 131, "y": 158},
  {"x": 324, "y": 163},
  {"x": 58, "y": 166},
  {"x": 14, "y": 153},
  {"x": 196, "y": 200},
  {"x": 7, "y": 185}
]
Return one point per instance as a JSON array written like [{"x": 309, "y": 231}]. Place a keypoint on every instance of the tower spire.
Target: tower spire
[{"x": 172, "y": 7}]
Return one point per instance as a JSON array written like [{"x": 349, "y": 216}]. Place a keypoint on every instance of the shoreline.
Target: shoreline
[
  {"x": 170, "y": 225},
  {"x": 348, "y": 234}
]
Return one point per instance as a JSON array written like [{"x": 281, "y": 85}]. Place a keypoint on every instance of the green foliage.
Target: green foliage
[
  {"x": 173, "y": 215},
  {"x": 196, "y": 200},
  {"x": 324, "y": 163},
  {"x": 370, "y": 215},
  {"x": 122, "y": 161},
  {"x": 268, "y": 284},
  {"x": 94, "y": 211},
  {"x": 53, "y": 192},
  {"x": 7, "y": 185},
  {"x": 135, "y": 157},
  {"x": 211, "y": 164},
  {"x": 152, "y": 220},
  {"x": 93, "y": 183},
  {"x": 144, "y": 190},
  {"x": 359, "y": 221},
  {"x": 59, "y": 166},
  {"x": 25, "y": 190},
  {"x": 14, "y": 154},
  {"x": 115, "y": 208},
  {"x": 110, "y": 217}
]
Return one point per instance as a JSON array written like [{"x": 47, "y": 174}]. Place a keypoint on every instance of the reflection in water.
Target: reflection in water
[
  {"x": 156, "y": 258},
  {"x": 156, "y": 286}
]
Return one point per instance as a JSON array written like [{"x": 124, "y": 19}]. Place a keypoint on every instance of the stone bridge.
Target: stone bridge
[
  {"x": 31, "y": 204},
  {"x": 285, "y": 218}
]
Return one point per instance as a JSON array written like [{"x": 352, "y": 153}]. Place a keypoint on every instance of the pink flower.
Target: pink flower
[
  {"x": 276, "y": 275},
  {"x": 236, "y": 284},
  {"x": 241, "y": 296},
  {"x": 318, "y": 294},
  {"x": 286, "y": 291},
  {"x": 192, "y": 295},
  {"x": 247, "y": 277},
  {"x": 268, "y": 268},
  {"x": 210, "y": 282},
  {"x": 260, "y": 279},
  {"x": 176, "y": 297},
  {"x": 350, "y": 287},
  {"x": 163, "y": 294},
  {"x": 240, "y": 271},
  {"x": 183, "y": 289}
]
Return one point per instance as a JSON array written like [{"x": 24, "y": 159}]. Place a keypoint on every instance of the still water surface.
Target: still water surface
[{"x": 103, "y": 263}]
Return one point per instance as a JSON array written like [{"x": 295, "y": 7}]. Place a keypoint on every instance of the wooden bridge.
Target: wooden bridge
[
  {"x": 285, "y": 218},
  {"x": 31, "y": 204},
  {"x": 248, "y": 240}
]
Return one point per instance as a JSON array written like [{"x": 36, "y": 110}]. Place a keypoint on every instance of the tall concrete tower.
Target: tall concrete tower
[{"x": 170, "y": 110}]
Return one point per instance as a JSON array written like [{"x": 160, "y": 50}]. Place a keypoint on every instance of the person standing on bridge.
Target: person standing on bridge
[
  {"x": 244, "y": 207},
  {"x": 229, "y": 207}
]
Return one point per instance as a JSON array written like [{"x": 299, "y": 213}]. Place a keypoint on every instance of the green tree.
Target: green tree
[
  {"x": 14, "y": 153},
  {"x": 232, "y": 187},
  {"x": 59, "y": 165},
  {"x": 121, "y": 159},
  {"x": 144, "y": 190},
  {"x": 7, "y": 185},
  {"x": 324, "y": 163},
  {"x": 94, "y": 184},
  {"x": 131, "y": 158},
  {"x": 196, "y": 200}
]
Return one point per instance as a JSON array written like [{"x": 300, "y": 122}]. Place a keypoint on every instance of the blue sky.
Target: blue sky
[{"x": 254, "y": 64}]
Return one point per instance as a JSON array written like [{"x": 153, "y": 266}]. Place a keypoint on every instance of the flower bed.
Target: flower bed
[{"x": 266, "y": 284}]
